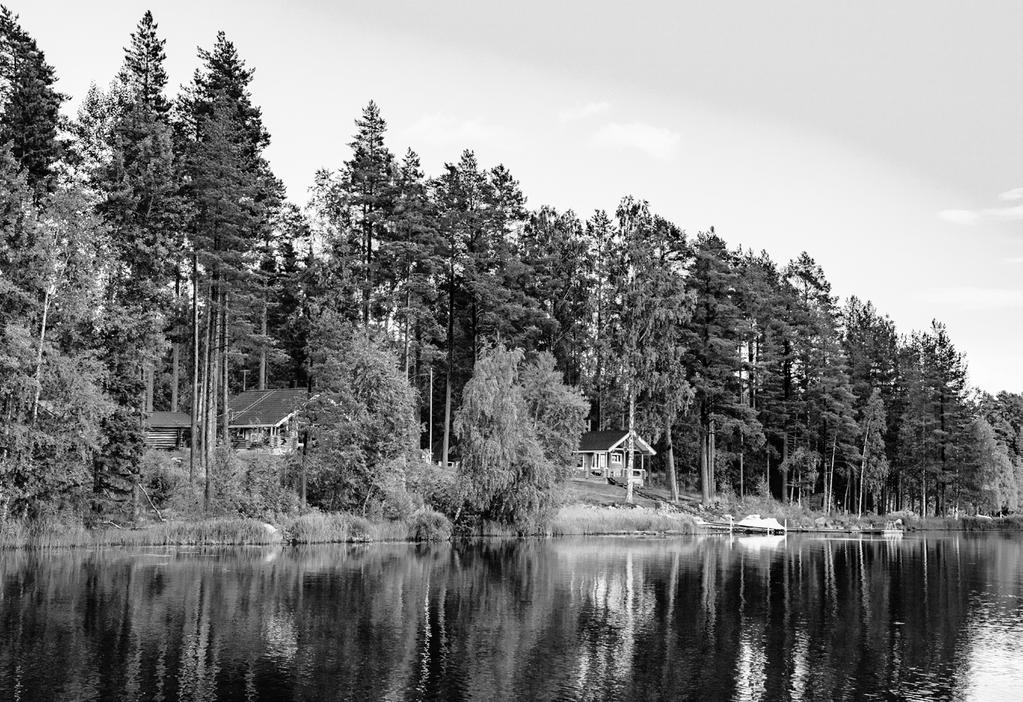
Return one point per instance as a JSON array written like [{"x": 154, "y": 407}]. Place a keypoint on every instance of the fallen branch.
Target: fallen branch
[
  {"x": 113, "y": 524},
  {"x": 151, "y": 504}
]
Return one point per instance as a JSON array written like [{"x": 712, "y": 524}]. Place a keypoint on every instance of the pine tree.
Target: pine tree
[
  {"x": 29, "y": 104},
  {"x": 413, "y": 256},
  {"x": 133, "y": 176},
  {"x": 143, "y": 73},
  {"x": 558, "y": 272},
  {"x": 232, "y": 197},
  {"x": 604, "y": 246},
  {"x": 712, "y": 341}
]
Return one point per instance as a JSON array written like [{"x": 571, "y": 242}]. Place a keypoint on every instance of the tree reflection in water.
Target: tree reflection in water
[{"x": 599, "y": 618}]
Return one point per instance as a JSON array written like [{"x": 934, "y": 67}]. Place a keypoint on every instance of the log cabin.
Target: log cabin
[{"x": 168, "y": 430}]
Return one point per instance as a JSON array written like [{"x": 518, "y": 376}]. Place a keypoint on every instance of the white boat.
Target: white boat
[
  {"x": 756, "y": 523},
  {"x": 751, "y": 524}
]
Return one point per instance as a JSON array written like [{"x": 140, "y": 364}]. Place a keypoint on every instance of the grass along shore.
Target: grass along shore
[
  {"x": 313, "y": 528},
  {"x": 589, "y": 509},
  {"x": 317, "y": 528}
]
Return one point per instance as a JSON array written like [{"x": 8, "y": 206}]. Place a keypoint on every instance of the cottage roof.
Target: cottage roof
[
  {"x": 610, "y": 439},
  {"x": 265, "y": 408},
  {"x": 169, "y": 420}
]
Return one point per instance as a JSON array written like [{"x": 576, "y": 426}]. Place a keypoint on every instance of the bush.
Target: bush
[
  {"x": 247, "y": 487},
  {"x": 437, "y": 486},
  {"x": 262, "y": 492},
  {"x": 163, "y": 474},
  {"x": 428, "y": 525}
]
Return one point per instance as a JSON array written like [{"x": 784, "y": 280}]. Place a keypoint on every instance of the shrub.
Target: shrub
[
  {"x": 262, "y": 491},
  {"x": 162, "y": 474},
  {"x": 428, "y": 525},
  {"x": 436, "y": 486}
]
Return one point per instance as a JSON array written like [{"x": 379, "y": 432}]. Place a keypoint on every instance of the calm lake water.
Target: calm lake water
[{"x": 702, "y": 618}]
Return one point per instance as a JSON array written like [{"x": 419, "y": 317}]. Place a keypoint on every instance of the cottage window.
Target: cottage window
[{"x": 616, "y": 458}]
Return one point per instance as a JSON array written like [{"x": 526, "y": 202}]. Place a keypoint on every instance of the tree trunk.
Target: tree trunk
[
  {"x": 831, "y": 476},
  {"x": 704, "y": 477},
  {"x": 408, "y": 312},
  {"x": 923, "y": 494},
  {"x": 631, "y": 456},
  {"x": 712, "y": 458},
  {"x": 150, "y": 375},
  {"x": 262, "y": 346},
  {"x": 451, "y": 363},
  {"x": 742, "y": 469},
  {"x": 863, "y": 468},
  {"x": 225, "y": 428},
  {"x": 175, "y": 364},
  {"x": 302, "y": 479},
  {"x": 670, "y": 461},
  {"x": 39, "y": 353},
  {"x": 176, "y": 348},
  {"x": 208, "y": 397},
  {"x": 785, "y": 469},
  {"x": 194, "y": 409},
  {"x": 368, "y": 274}
]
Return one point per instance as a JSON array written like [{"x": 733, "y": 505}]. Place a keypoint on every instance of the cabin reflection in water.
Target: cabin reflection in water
[{"x": 712, "y": 617}]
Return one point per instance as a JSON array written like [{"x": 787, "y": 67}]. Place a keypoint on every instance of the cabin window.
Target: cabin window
[{"x": 616, "y": 458}]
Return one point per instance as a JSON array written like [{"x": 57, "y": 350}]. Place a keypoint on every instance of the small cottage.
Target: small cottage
[
  {"x": 266, "y": 419},
  {"x": 168, "y": 430},
  {"x": 601, "y": 455}
]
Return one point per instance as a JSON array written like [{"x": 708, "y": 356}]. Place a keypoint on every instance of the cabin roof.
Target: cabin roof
[
  {"x": 610, "y": 439},
  {"x": 265, "y": 408},
  {"x": 169, "y": 420}
]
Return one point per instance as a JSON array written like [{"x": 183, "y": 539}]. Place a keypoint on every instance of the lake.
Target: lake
[{"x": 701, "y": 618}]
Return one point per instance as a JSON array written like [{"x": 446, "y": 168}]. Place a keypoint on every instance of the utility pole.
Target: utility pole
[{"x": 245, "y": 372}]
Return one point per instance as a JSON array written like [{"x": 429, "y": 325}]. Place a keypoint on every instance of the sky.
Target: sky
[{"x": 882, "y": 138}]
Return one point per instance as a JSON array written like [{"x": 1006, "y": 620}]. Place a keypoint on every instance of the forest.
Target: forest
[{"x": 150, "y": 260}]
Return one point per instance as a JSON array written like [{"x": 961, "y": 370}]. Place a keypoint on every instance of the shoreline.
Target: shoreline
[{"x": 577, "y": 519}]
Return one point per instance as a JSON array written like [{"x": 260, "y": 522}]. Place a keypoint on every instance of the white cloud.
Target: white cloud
[
  {"x": 442, "y": 129},
  {"x": 590, "y": 109},
  {"x": 959, "y": 216},
  {"x": 973, "y": 298},
  {"x": 1010, "y": 213},
  {"x": 657, "y": 142},
  {"x": 1013, "y": 259}
]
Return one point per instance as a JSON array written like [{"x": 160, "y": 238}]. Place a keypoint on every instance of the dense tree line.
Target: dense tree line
[{"x": 149, "y": 260}]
